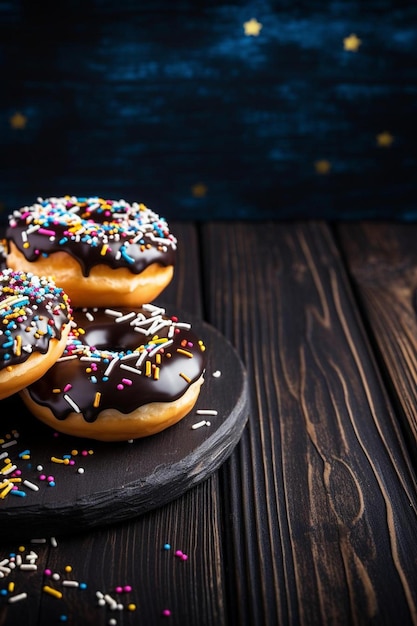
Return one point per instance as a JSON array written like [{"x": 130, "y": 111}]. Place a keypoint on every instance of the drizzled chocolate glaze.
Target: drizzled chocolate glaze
[
  {"x": 94, "y": 232},
  {"x": 116, "y": 366},
  {"x": 32, "y": 312}
]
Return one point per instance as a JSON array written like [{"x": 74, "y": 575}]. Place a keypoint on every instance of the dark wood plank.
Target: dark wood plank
[
  {"x": 132, "y": 553},
  {"x": 319, "y": 501},
  {"x": 382, "y": 260}
]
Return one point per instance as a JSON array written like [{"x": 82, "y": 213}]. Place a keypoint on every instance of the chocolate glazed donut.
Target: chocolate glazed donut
[
  {"x": 101, "y": 252},
  {"x": 124, "y": 374},
  {"x": 35, "y": 318}
]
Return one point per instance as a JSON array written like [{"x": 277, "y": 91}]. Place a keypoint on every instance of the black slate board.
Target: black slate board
[{"x": 121, "y": 480}]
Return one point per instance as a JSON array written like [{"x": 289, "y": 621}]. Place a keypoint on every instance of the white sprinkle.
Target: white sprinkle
[
  {"x": 70, "y": 583},
  {"x": 56, "y": 576},
  {"x": 11, "y": 469},
  {"x": 153, "y": 308},
  {"x": 9, "y": 443},
  {"x": 29, "y": 567},
  {"x": 80, "y": 470},
  {"x": 89, "y": 316},
  {"x": 18, "y": 597},
  {"x": 182, "y": 325},
  {"x": 206, "y": 412},
  {"x": 217, "y": 374},
  {"x": 67, "y": 358},
  {"x": 110, "y": 366},
  {"x": 32, "y": 486},
  {"x": 54, "y": 542},
  {"x": 4, "y": 455},
  {"x": 113, "y": 313},
  {"x": 72, "y": 403},
  {"x": 128, "y": 368},
  {"x": 123, "y": 318},
  {"x": 110, "y": 601},
  {"x": 198, "y": 424}
]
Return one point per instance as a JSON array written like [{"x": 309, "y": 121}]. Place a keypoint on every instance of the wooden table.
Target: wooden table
[{"x": 312, "y": 519}]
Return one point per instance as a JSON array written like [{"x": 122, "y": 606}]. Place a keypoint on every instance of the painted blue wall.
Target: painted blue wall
[{"x": 175, "y": 105}]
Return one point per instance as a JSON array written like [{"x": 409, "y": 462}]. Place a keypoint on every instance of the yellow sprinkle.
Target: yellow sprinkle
[
  {"x": 68, "y": 568},
  {"x": 156, "y": 373},
  {"x": 54, "y": 459},
  {"x": 185, "y": 377},
  {"x": 25, "y": 457},
  {"x": 10, "y": 587},
  {"x": 18, "y": 348},
  {"x": 97, "y": 399},
  {"x": 52, "y": 591},
  {"x": 6, "y": 468},
  {"x": 131, "y": 607},
  {"x": 158, "y": 359},
  {"x": 148, "y": 368},
  {"x": 56, "y": 390},
  {"x": 185, "y": 352},
  {"x": 6, "y": 490},
  {"x": 104, "y": 249}
]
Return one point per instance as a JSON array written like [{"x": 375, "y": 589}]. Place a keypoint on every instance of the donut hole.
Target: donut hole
[{"x": 113, "y": 338}]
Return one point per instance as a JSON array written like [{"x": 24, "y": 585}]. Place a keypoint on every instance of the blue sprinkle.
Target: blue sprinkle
[{"x": 17, "y": 492}]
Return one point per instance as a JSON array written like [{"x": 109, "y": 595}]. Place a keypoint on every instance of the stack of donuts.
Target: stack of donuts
[{"x": 80, "y": 339}]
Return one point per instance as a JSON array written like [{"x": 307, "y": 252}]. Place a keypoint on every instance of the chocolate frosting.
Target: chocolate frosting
[
  {"x": 109, "y": 364},
  {"x": 94, "y": 232},
  {"x": 32, "y": 312}
]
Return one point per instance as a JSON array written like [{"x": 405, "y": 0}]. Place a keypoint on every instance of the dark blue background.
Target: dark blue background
[{"x": 145, "y": 100}]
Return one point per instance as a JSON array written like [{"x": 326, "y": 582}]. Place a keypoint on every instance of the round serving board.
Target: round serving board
[{"x": 104, "y": 483}]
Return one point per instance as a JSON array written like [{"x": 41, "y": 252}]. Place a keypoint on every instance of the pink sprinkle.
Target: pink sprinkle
[
  {"x": 127, "y": 588},
  {"x": 46, "y": 231},
  {"x": 42, "y": 477},
  {"x": 120, "y": 387},
  {"x": 50, "y": 479},
  {"x": 127, "y": 381},
  {"x": 166, "y": 612},
  {"x": 118, "y": 589},
  {"x": 178, "y": 553},
  {"x": 47, "y": 572},
  {"x": 184, "y": 557},
  {"x": 84, "y": 453},
  {"x": 67, "y": 387}
]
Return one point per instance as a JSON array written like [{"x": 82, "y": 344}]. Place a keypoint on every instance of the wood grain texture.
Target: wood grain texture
[
  {"x": 382, "y": 260},
  {"x": 132, "y": 553},
  {"x": 319, "y": 501}
]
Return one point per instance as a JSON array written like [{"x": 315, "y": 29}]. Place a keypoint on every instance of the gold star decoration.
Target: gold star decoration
[
  {"x": 252, "y": 27},
  {"x": 18, "y": 121},
  {"x": 351, "y": 43},
  {"x": 322, "y": 166},
  {"x": 199, "y": 190},
  {"x": 384, "y": 140}
]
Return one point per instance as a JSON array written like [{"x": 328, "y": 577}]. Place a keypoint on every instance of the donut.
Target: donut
[
  {"x": 101, "y": 252},
  {"x": 124, "y": 374},
  {"x": 35, "y": 321}
]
